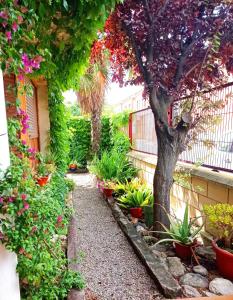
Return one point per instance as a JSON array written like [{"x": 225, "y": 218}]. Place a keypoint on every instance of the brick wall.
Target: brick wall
[{"x": 10, "y": 94}]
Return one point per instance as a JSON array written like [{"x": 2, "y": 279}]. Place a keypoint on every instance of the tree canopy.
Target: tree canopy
[{"x": 60, "y": 32}]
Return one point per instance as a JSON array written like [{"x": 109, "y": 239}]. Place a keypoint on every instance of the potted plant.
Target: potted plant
[
  {"x": 73, "y": 166},
  {"x": 108, "y": 188},
  {"x": 220, "y": 218},
  {"x": 42, "y": 174},
  {"x": 182, "y": 233},
  {"x": 135, "y": 200}
]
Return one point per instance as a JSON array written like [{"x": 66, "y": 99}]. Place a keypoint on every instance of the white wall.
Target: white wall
[{"x": 9, "y": 281}]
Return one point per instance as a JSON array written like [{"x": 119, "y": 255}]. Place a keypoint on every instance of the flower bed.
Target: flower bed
[{"x": 196, "y": 277}]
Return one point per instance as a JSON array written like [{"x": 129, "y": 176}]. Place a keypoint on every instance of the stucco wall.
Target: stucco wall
[{"x": 204, "y": 186}]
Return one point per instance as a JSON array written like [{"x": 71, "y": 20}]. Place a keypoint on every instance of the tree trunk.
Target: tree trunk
[
  {"x": 163, "y": 177},
  {"x": 95, "y": 131}
]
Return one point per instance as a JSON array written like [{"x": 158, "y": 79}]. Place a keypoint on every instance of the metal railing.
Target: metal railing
[{"x": 213, "y": 147}]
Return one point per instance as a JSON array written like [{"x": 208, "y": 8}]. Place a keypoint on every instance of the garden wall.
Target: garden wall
[{"x": 204, "y": 185}]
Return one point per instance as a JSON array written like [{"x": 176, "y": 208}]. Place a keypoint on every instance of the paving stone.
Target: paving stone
[
  {"x": 221, "y": 286},
  {"x": 159, "y": 247},
  {"x": 194, "y": 280},
  {"x": 175, "y": 266},
  {"x": 200, "y": 270},
  {"x": 190, "y": 291}
]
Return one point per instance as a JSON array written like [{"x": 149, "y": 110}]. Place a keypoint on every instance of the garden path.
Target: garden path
[{"x": 111, "y": 268}]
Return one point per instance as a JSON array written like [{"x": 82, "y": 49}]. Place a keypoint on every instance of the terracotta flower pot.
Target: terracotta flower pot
[
  {"x": 42, "y": 181},
  {"x": 136, "y": 212},
  {"x": 184, "y": 251},
  {"x": 107, "y": 192},
  {"x": 73, "y": 167},
  {"x": 224, "y": 260}
]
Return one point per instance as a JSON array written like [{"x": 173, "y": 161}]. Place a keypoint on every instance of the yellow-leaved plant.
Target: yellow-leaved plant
[{"x": 220, "y": 217}]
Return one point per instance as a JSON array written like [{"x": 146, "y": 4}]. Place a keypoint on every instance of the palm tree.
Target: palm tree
[{"x": 91, "y": 93}]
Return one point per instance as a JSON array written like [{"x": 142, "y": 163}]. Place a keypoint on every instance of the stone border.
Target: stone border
[
  {"x": 155, "y": 266},
  {"x": 74, "y": 294}
]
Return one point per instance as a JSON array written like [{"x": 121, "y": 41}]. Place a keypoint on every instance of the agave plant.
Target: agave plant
[
  {"x": 181, "y": 231},
  {"x": 136, "y": 198}
]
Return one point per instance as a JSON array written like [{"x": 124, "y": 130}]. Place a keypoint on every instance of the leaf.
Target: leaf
[{"x": 65, "y": 5}]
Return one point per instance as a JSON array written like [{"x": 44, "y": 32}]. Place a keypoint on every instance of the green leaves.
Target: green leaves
[
  {"x": 137, "y": 198},
  {"x": 182, "y": 231}
]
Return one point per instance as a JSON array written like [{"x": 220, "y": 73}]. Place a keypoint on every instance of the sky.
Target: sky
[{"x": 114, "y": 94}]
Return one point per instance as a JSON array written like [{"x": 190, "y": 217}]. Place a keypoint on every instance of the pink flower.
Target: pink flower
[
  {"x": 23, "y": 196},
  {"x": 8, "y": 35},
  {"x": 3, "y": 15},
  {"x": 10, "y": 199},
  {"x": 21, "y": 77},
  {"x": 20, "y": 19},
  {"x": 24, "y": 142},
  {"x": 31, "y": 150},
  {"x": 1, "y": 200},
  {"x": 26, "y": 206},
  {"x": 15, "y": 26},
  {"x": 4, "y": 24},
  {"x": 24, "y": 131},
  {"x": 59, "y": 219}
]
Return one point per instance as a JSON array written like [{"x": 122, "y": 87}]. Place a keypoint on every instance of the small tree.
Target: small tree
[
  {"x": 175, "y": 48},
  {"x": 91, "y": 97}
]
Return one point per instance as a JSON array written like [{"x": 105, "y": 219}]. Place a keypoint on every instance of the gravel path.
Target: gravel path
[{"x": 111, "y": 268}]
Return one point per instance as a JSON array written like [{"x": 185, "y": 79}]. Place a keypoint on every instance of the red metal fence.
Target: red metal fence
[{"x": 214, "y": 146}]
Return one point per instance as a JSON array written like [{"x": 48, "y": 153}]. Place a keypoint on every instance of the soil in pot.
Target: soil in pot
[
  {"x": 184, "y": 251},
  {"x": 224, "y": 260},
  {"x": 108, "y": 192},
  {"x": 136, "y": 212},
  {"x": 42, "y": 181}
]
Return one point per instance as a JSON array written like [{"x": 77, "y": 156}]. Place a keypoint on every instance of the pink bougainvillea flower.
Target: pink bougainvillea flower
[
  {"x": 15, "y": 26},
  {"x": 24, "y": 142},
  {"x": 23, "y": 131},
  {"x": 1, "y": 200},
  {"x": 10, "y": 199},
  {"x": 4, "y": 24},
  {"x": 21, "y": 77},
  {"x": 21, "y": 251},
  {"x": 4, "y": 15},
  {"x": 8, "y": 35},
  {"x": 23, "y": 196},
  {"x": 26, "y": 206},
  {"x": 59, "y": 219},
  {"x": 20, "y": 19}
]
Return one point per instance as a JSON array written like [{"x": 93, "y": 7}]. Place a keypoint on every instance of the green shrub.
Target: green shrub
[
  {"x": 220, "y": 217},
  {"x": 106, "y": 134},
  {"x": 80, "y": 140},
  {"x": 121, "y": 142},
  {"x": 113, "y": 166}
]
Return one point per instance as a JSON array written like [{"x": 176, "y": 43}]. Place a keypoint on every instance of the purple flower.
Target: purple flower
[
  {"x": 8, "y": 35},
  {"x": 15, "y": 26}
]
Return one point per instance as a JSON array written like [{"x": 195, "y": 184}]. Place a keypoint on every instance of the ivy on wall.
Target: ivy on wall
[{"x": 59, "y": 137}]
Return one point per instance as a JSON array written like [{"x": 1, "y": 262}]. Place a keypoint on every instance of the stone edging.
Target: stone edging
[
  {"x": 72, "y": 253},
  {"x": 163, "y": 278}
]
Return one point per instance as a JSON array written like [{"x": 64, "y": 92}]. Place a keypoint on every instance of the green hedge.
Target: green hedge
[
  {"x": 111, "y": 136},
  {"x": 80, "y": 140}
]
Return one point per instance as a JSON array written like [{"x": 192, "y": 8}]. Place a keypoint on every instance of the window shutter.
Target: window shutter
[{"x": 31, "y": 109}]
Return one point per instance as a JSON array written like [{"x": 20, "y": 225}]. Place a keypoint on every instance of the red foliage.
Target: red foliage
[{"x": 175, "y": 44}]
